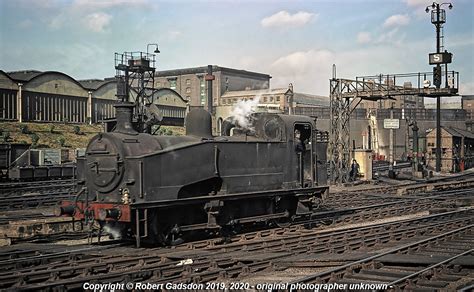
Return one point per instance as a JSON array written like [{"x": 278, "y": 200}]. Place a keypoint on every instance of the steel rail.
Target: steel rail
[
  {"x": 139, "y": 265},
  {"x": 430, "y": 267},
  {"x": 43, "y": 256},
  {"x": 167, "y": 271},
  {"x": 365, "y": 260}
]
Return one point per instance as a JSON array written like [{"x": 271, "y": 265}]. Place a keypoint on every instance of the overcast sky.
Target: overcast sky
[{"x": 294, "y": 41}]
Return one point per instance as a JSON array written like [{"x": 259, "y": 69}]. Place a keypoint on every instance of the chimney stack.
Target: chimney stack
[{"x": 124, "y": 114}]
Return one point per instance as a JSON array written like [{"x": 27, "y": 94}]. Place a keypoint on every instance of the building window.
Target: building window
[
  {"x": 188, "y": 81},
  {"x": 265, "y": 99},
  {"x": 188, "y": 89},
  {"x": 278, "y": 98},
  {"x": 173, "y": 84},
  {"x": 203, "y": 91},
  {"x": 271, "y": 99}
]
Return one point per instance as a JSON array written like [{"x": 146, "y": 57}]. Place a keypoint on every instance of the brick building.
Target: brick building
[
  {"x": 192, "y": 86},
  {"x": 468, "y": 102},
  {"x": 457, "y": 145},
  {"x": 265, "y": 99}
]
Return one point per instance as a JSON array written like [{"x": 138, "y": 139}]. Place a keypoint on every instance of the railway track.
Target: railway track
[
  {"x": 346, "y": 200},
  {"x": 441, "y": 261},
  {"x": 381, "y": 167},
  {"x": 455, "y": 182},
  {"x": 202, "y": 263},
  {"x": 35, "y": 200},
  {"x": 18, "y": 188},
  {"x": 29, "y": 195},
  {"x": 239, "y": 257},
  {"x": 8, "y": 218}
]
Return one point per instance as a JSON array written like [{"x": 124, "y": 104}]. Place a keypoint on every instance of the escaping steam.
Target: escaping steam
[
  {"x": 115, "y": 232},
  {"x": 242, "y": 111}
]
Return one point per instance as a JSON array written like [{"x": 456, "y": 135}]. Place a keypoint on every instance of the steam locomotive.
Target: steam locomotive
[{"x": 160, "y": 189}]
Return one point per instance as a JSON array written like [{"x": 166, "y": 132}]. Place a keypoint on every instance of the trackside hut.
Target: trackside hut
[{"x": 456, "y": 149}]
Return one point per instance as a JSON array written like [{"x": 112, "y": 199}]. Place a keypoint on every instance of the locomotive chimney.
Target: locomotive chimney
[
  {"x": 199, "y": 123},
  {"x": 124, "y": 112}
]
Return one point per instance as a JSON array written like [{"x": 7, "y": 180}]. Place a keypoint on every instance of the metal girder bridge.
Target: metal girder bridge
[{"x": 346, "y": 94}]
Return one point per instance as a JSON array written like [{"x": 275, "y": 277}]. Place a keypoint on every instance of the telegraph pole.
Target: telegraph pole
[
  {"x": 438, "y": 99},
  {"x": 391, "y": 173},
  {"x": 438, "y": 18}
]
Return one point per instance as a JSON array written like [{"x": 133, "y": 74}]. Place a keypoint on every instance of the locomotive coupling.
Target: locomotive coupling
[{"x": 64, "y": 210}]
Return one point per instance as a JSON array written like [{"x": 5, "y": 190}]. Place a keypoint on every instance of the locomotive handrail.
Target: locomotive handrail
[
  {"x": 76, "y": 198},
  {"x": 216, "y": 160}
]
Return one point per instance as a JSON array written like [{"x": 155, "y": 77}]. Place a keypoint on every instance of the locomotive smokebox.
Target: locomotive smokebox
[
  {"x": 124, "y": 113},
  {"x": 199, "y": 123}
]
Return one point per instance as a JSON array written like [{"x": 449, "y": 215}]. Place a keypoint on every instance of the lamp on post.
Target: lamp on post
[{"x": 156, "y": 51}]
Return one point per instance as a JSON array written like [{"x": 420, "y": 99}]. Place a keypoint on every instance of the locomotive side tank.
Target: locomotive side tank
[{"x": 159, "y": 188}]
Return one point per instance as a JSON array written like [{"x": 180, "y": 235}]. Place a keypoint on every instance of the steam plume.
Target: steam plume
[
  {"x": 115, "y": 232},
  {"x": 242, "y": 111}
]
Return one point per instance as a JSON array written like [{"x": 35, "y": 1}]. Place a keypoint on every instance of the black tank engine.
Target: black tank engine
[{"x": 159, "y": 189}]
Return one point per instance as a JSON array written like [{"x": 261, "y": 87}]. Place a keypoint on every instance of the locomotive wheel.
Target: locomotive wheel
[
  {"x": 282, "y": 222},
  {"x": 167, "y": 238},
  {"x": 174, "y": 236},
  {"x": 159, "y": 234},
  {"x": 173, "y": 240}
]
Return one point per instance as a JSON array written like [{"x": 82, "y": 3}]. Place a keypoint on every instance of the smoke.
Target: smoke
[
  {"x": 242, "y": 110},
  {"x": 115, "y": 232}
]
